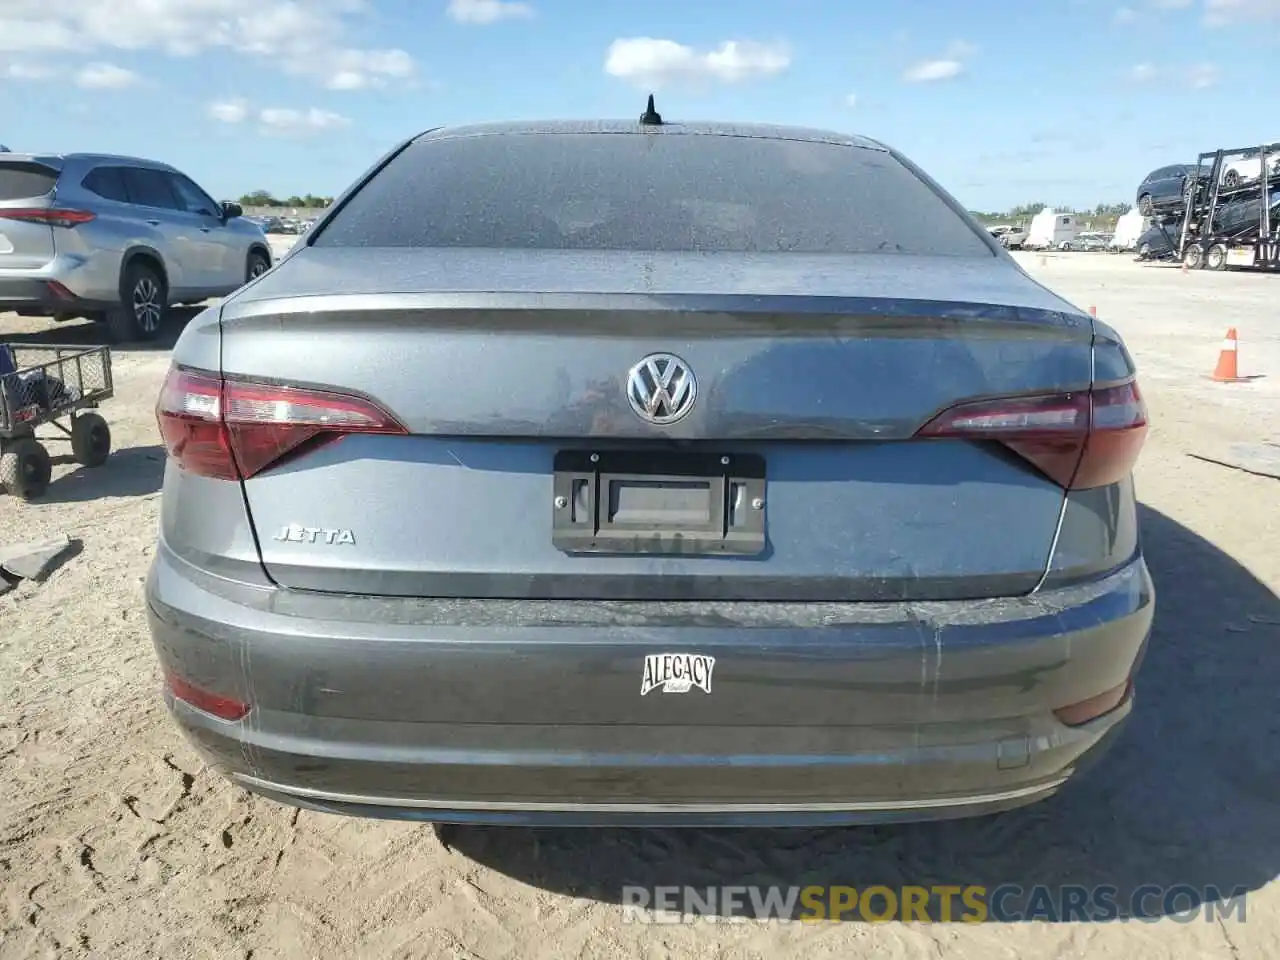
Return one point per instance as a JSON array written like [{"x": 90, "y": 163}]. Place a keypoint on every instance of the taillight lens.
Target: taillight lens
[
  {"x": 54, "y": 216},
  {"x": 231, "y": 430},
  {"x": 1078, "y": 440}
]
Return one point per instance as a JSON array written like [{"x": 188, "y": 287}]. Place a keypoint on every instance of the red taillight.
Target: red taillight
[
  {"x": 1079, "y": 440},
  {"x": 54, "y": 216},
  {"x": 59, "y": 291},
  {"x": 232, "y": 430},
  {"x": 224, "y": 708}
]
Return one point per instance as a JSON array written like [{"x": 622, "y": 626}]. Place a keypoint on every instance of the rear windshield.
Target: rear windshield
[
  {"x": 22, "y": 181},
  {"x": 649, "y": 193}
]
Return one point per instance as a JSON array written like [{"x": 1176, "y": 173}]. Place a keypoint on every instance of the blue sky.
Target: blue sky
[{"x": 1003, "y": 101}]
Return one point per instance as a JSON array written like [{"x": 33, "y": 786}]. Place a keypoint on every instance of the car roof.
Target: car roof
[
  {"x": 704, "y": 128},
  {"x": 89, "y": 158}
]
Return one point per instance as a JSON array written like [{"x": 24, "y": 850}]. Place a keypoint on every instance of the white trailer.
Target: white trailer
[
  {"x": 1050, "y": 230},
  {"x": 1129, "y": 228}
]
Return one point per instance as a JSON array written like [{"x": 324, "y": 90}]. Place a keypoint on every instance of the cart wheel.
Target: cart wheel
[
  {"x": 90, "y": 439},
  {"x": 1194, "y": 257},
  {"x": 25, "y": 468},
  {"x": 1216, "y": 258}
]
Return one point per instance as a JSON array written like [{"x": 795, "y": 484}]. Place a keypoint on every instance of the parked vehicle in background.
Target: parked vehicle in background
[
  {"x": 1010, "y": 237},
  {"x": 1242, "y": 170},
  {"x": 1157, "y": 243},
  {"x": 646, "y": 488},
  {"x": 1164, "y": 190},
  {"x": 117, "y": 240},
  {"x": 1242, "y": 214},
  {"x": 1091, "y": 241},
  {"x": 1232, "y": 225},
  {"x": 1050, "y": 230}
]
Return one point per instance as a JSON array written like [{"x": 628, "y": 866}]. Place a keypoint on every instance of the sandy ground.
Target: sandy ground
[{"x": 115, "y": 841}]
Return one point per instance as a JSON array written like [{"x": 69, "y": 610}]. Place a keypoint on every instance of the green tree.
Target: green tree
[{"x": 259, "y": 198}]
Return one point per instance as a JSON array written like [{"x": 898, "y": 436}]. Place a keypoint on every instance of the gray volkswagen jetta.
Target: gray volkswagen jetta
[{"x": 649, "y": 473}]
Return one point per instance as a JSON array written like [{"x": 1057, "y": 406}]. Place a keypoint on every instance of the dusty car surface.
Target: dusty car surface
[{"x": 618, "y": 472}]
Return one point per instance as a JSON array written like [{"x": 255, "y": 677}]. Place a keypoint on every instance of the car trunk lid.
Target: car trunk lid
[{"x": 814, "y": 375}]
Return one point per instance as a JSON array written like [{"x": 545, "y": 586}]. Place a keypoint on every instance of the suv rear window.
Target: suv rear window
[
  {"x": 642, "y": 192},
  {"x": 20, "y": 180}
]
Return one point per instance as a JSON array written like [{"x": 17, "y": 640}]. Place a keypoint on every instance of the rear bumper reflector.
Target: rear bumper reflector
[
  {"x": 1076, "y": 714},
  {"x": 224, "y": 708}
]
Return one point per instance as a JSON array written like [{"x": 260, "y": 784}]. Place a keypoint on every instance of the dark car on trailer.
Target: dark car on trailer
[
  {"x": 1164, "y": 190},
  {"x": 618, "y": 472}
]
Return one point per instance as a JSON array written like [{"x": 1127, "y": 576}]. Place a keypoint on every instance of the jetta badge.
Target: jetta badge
[
  {"x": 294, "y": 533},
  {"x": 677, "y": 672},
  {"x": 661, "y": 388}
]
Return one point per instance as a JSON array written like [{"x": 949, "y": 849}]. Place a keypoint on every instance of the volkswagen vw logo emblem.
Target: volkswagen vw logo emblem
[{"x": 661, "y": 388}]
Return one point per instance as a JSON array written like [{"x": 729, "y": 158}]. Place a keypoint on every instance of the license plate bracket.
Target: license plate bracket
[{"x": 668, "y": 503}]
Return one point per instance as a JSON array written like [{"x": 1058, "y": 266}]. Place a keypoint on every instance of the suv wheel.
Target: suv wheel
[
  {"x": 1145, "y": 206},
  {"x": 257, "y": 266},
  {"x": 141, "y": 314}
]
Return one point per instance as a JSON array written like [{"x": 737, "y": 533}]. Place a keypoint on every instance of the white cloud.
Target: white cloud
[
  {"x": 928, "y": 71},
  {"x": 1124, "y": 15},
  {"x": 17, "y": 32},
  {"x": 484, "y": 12},
  {"x": 1203, "y": 76},
  {"x": 851, "y": 100},
  {"x": 105, "y": 76},
  {"x": 25, "y": 71},
  {"x": 651, "y": 63},
  {"x": 1142, "y": 72},
  {"x": 363, "y": 69},
  {"x": 947, "y": 67},
  {"x": 229, "y": 111},
  {"x": 1171, "y": 4},
  {"x": 285, "y": 121},
  {"x": 305, "y": 39},
  {"x": 1221, "y": 12}
]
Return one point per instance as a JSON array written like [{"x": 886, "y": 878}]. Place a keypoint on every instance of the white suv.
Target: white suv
[
  {"x": 1011, "y": 237},
  {"x": 116, "y": 239}
]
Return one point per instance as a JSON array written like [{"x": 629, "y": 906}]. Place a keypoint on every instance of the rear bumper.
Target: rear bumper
[
  {"x": 958, "y": 725},
  {"x": 37, "y": 297}
]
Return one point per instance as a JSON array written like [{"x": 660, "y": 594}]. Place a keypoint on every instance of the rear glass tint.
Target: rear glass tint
[
  {"x": 649, "y": 193},
  {"x": 108, "y": 183},
  {"x": 22, "y": 181}
]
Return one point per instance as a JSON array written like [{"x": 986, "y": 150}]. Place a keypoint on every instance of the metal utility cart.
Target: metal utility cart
[
  {"x": 42, "y": 385},
  {"x": 1229, "y": 220}
]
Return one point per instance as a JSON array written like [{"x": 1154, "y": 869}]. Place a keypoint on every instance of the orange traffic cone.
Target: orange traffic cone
[
  {"x": 1228, "y": 370},
  {"x": 1093, "y": 312}
]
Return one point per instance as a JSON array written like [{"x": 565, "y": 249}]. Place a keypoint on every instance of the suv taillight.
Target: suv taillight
[
  {"x": 53, "y": 216},
  {"x": 232, "y": 429},
  {"x": 1079, "y": 440}
]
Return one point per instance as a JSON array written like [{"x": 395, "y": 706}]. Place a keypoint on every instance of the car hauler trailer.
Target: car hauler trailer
[{"x": 1233, "y": 220}]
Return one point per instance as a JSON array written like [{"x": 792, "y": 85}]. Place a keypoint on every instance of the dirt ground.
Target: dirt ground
[{"x": 115, "y": 841}]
